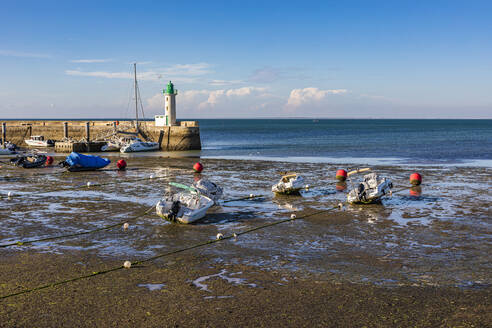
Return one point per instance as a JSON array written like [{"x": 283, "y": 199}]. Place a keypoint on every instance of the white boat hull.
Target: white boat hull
[
  {"x": 370, "y": 191},
  {"x": 38, "y": 143},
  {"x": 183, "y": 207},
  {"x": 139, "y": 146},
  {"x": 293, "y": 185}
]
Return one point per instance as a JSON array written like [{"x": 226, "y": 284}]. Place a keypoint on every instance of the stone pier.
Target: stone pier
[{"x": 184, "y": 136}]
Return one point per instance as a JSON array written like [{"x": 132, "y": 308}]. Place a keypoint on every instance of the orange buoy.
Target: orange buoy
[
  {"x": 415, "y": 179},
  {"x": 341, "y": 175},
  {"x": 198, "y": 167},
  {"x": 49, "y": 160},
  {"x": 121, "y": 164}
]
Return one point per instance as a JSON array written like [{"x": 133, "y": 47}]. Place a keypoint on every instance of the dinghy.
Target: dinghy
[
  {"x": 209, "y": 189},
  {"x": 8, "y": 149},
  {"x": 137, "y": 145},
  {"x": 29, "y": 162},
  {"x": 289, "y": 184},
  {"x": 183, "y": 207},
  {"x": 115, "y": 144},
  {"x": 370, "y": 190},
  {"x": 76, "y": 162},
  {"x": 38, "y": 141}
]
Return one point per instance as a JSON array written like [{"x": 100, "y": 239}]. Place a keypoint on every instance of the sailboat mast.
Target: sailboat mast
[{"x": 136, "y": 99}]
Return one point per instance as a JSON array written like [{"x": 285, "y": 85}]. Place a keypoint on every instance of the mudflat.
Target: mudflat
[{"x": 422, "y": 258}]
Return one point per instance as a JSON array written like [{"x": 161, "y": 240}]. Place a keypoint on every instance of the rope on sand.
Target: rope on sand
[
  {"x": 150, "y": 259},
  {"x": 27, "y": 242},
  {"x": 90, "y": 185}
]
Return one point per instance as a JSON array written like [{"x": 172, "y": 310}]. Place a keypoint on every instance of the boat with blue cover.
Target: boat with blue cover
[{"x": 78, "y": 162}]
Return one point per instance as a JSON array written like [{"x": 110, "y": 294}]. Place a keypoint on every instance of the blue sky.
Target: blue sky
[{"x": 390, "y": 59}]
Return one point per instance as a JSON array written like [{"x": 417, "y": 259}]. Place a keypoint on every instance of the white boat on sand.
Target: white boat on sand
[
  {"x": 290, "y": 183},
  {"x": 209, "y": 189},
  {"x": 370, "y": 190},
  {"x": 183, "y": 207}
]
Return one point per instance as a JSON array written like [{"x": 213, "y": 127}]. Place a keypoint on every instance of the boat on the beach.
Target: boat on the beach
[
  {"x": 76, "y": 162},
  {"x": 209, "y": 189},
  {"x": 290, "y": 183},
  {"x": 370, "y": 190},
  {"x": 39, "y": 141},
  {"x": 185, "y": 206},
  {"x": 137, "y": 145},
  {"x": 29, "y": 162},
  {"x": 7, "y": 151}
]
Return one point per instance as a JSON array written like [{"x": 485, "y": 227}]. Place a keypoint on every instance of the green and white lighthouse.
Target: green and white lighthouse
[{"x": 170, "y": 104}]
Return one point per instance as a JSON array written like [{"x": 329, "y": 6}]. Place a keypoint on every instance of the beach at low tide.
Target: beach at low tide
[{"x": 415, "y": 260}]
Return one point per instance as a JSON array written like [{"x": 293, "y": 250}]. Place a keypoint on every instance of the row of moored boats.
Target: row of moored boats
[{"x": 192, "y": 202}]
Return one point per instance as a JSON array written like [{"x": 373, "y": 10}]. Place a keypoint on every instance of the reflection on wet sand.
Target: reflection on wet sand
[{"x": 440, "y": 234}]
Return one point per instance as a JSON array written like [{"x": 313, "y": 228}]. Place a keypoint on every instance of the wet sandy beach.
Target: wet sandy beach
[{"x": 415, "y": 260}]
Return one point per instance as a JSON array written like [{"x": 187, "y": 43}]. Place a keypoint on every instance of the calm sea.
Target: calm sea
[{"x": 376, "y": 141}]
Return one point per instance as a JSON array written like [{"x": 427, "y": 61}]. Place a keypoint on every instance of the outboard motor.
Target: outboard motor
[{"x": 172, "y": 214}]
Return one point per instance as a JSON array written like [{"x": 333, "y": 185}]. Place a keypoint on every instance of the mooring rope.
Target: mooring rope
[
  {"x": 209, "y": 242},
  {"x": 27, "y": 242},
  {"x": 251, "y": 196},
  {"x": 90, "y": 185}
]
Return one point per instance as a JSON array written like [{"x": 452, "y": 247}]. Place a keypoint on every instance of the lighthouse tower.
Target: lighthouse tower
[{"x": 170, "y": 104}]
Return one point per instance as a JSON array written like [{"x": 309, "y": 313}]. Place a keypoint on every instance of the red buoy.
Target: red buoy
[
  {"x": 198, "y": 167},
  {"x": 415, "y": 179},
  {"x": 341, "y": 175},
  {"x": 49, "y": 160},
  {"x": 121, "y": 164}
]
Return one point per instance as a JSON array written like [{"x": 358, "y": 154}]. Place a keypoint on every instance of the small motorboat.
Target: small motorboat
[
  {"x": 370, "y": 190},
  {"x": 114, "y": 144},
  {"x": 38, "y": 141},
  {"x": 29, "y": 162},
  {"x": 185, "y": 206},
  {"x": 289, "y": 184},
  {"x": 137, "y": 145},
  {"x": 76, "y": 162},
  {"x": 8, "y": 149},
  {"x": 209, "y": 189}
]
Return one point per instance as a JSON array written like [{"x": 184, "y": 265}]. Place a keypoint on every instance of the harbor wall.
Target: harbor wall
[{"x": 185, "y": 136}]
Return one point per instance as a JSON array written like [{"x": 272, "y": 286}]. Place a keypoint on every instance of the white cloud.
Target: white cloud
[
  {"x": 299, "y": 97},
  {"x": 217, "y": 96},
  {"x": 12, "y": 53},
  {"x": 199, "y": 102},
  {"x": 183, "y": 73},
  {"x": 224, "y": 82},
  {"x": 108, "y": 75},
  {"x": 90, "y": 61}
]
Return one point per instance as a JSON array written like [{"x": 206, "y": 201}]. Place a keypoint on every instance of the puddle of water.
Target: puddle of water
[
  {"x": 222, "y": 274},
  {"x": 152, "y": 287}
]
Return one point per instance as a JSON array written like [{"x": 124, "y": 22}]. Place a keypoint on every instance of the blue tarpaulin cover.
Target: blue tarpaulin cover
[{"x": 88, "y": 161}]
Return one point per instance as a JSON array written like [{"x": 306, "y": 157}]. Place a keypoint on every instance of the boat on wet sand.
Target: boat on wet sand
[
  {"x": 76, "y": 162},
  {"x": 185, "y": 206},
  {"x": 29, "y": 162},
  {"x": 209, "y": 189},
  {"x": 290, "y": 183},
  {"x": 370, "y": 190}
]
